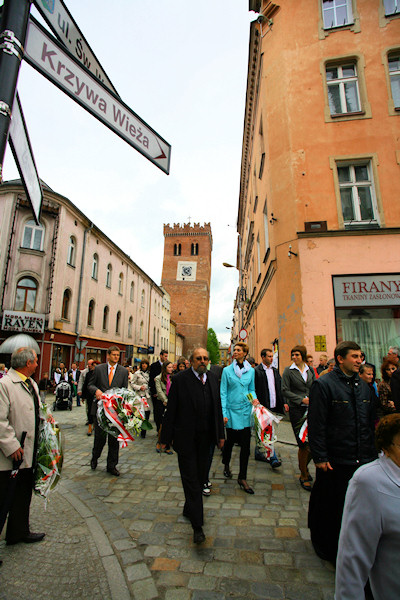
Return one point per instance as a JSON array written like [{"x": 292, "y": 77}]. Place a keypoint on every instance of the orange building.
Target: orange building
[
  {"x": 186, "y": 276},
  {"x": 319, "y": 216}
]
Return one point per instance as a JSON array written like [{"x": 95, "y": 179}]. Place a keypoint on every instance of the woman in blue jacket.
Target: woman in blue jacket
[{"x": 237, "y": 381}]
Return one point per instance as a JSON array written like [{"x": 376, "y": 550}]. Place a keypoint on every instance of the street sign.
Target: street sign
[
  {"x": 61, "y": 22},
  {"x": 23, "y": 155},
  {"x": 51, "y": 59}
]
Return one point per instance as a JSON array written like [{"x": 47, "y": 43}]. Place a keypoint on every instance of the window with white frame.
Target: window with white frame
[
  {"x": 394, "y": 73},
  {"x": 71, "y": 254},
  {"x": 357, "y": 193},
  {"x": 33, "y": 236},
  {"x": 95, "y": 266},
  {"x": 337, "y": 13},
  {"x": 392, "y": 7},
  {"x": 343, "y": 91}
]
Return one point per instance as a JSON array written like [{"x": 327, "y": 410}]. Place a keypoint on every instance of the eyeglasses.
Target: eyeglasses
[{"x": 205, "y": 358}]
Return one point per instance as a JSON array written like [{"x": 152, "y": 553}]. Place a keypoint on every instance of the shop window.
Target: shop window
[
  {"x": 66, "y": 304},
  {"x": 343, "y": 90},
  {"x": 132, "y": 292},
  {"x": 95, "y": 266},
  {"x": 90, "y": 318},
  {"x": 194, "y": 249},
  {"x": 357, "y": 194},
  {"x": 108, "y": 275},
  {"x": 25, "y": 297},
  {"x": 71, "y": 254},
  {"x": 33, "y": 236},
  {"x": 118, "y": 322},
  {"x": 337, "y": 13},
  {"x": 130, "y": 326},
  {"x": 394, "y": 74},
  {"x": 177, "y": 249},
  {"x": 106, "y": 313},
  {"x": 120, "y": 284},
  {"x": 392, "y": 7}
]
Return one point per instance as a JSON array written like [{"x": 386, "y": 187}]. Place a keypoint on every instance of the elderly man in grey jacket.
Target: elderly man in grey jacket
[{"x": 19, "y": 411}]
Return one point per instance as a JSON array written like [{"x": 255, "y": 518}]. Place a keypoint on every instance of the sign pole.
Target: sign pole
[{"x": 13, "y": 27}]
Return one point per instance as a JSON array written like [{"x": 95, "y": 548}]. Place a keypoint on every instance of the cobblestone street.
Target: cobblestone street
[{"x": 120, "y": 538}]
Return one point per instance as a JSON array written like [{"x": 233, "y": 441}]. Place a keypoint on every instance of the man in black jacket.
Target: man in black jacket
[
  {"x": 341, "y": 422},
  {"x": 267, "y": 383},
  {"x": 192, "y": 422}
]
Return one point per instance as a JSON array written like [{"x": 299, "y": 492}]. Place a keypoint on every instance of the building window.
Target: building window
[
  {"x": 120, "y": 284},
  {"x": 337, "y": 13},
  {"x": 343, "y": 92},
  {"x": 25, "y": 298},
  {"x": 132, "y": 293},
  {"x": 194, "y": 249},
  {"x": 130, "y": 325},
  {"x": 177, "y": 249},
  {"x": 142, "y": 299},
  {"x": 108, "y": 275},
  {"x": 33, "y": 236},
  {"x": 118, "y": 322},
  {"x": 71, "y": 255},
  {"x": 95, "y": 266},
  {"x": 394, "y": 73},
  {"x": 66, "y": 304},
  {"x": 106, "y": 312},
  {"x": 90, "y": 317},
  {"x": 392, "y": 7},
  {"x": 357, "y": 194}
]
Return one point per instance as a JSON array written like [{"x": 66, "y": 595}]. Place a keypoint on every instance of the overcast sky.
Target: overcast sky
[{"x": 182, "y": 67}]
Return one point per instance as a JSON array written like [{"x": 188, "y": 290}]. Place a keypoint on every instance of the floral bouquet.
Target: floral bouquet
[
  {"x": 264, "y": 424},
  {"x": 49, "y": 456},
  {"x": 121, "y": 413}
]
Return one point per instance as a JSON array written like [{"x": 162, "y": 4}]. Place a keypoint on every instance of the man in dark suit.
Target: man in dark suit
[
  {"x": 192, "y": 422},
  {"x": 106, "y": 376},
  {"x": 267, "y": 382},
  {"x": 155, "y": 369}
]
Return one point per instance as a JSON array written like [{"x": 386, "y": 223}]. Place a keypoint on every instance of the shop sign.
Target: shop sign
[
  {"x": 24, "y": 322},
  {"x": 367, "y": 290}
]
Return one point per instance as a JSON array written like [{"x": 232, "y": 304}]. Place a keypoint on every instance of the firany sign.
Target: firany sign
[
  {"x": 367, "y": 290},
  {"x": 23, "y": 322}
]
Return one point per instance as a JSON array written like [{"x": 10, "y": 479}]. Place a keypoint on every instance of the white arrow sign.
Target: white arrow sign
[
  {"x": 61, "y": 22},
  {"x": 52, "y": 60}
]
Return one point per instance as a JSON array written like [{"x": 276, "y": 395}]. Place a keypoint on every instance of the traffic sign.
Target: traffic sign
[
  {"x": 23, "y": 155},
  {"x": 243, "y": 334},
  {"x": 51, "y": 59},
  {"x": 61, "y": 22}
]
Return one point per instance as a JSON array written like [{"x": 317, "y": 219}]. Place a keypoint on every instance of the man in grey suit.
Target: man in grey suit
[{"x": 106, "y": 376}]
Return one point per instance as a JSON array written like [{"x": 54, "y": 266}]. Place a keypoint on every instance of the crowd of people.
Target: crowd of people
[{"x": 345, "y": 416}]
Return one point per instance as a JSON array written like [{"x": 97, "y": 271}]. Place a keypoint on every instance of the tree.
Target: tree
[{"x": 213, "y": 347}]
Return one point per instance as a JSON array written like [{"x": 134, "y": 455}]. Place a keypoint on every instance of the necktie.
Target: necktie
[{"x": 111, "y": 375}]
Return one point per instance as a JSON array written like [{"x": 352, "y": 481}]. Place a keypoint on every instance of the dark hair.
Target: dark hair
[
  {"x": 142, "y": 362},
  {"x": 243, "y": 346},
  {"x": 343, "y": 348},
  {"x": 387, "y": 428},
  {"x": 164, "y": 370},
  {"x": 366, "y": 366},
  {"x": 302, "y": 350},
  {"x": 264, "y": 351},
  {"x": 113, "y": 349},
  {"x": 386, "y": 361}
]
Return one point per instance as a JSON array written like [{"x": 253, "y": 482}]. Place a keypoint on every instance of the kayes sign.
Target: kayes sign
[
  {"x": 24, "y": 322},
  {"x": 367, "y": 290}
]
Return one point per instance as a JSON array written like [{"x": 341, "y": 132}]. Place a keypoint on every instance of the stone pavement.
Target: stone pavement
[{"x": 116, "y": 538}]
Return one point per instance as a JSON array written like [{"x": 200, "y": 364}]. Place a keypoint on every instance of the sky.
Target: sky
[{"x": 182, "y": 67}]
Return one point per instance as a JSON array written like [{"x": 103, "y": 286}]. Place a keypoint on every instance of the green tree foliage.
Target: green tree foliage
[{"x": 213, "y": 347}]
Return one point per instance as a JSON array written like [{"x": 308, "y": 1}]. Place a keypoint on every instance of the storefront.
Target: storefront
[{"x": 367, "y": 311}]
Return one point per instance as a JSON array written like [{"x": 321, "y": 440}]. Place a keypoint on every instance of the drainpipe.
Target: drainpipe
[{"x": 78, "y": 307}]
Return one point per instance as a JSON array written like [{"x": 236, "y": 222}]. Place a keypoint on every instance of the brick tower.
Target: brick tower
[{"x": 186, "y": 277}]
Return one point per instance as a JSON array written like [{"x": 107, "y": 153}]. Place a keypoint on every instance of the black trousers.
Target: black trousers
[
  {"x": 100, "y": 438},
  {"x": 326, "y": 509},
  {"x": 18, "y": 517},
  {"x": 193, "y": 466},
  {"x": 241, "y": 437}
]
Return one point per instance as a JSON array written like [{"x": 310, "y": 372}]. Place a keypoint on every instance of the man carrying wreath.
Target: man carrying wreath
[{"x": 106, "y": 376}]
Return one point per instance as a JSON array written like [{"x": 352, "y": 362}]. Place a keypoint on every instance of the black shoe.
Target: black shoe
[
  {"x": 227, "y": 473},
  {"x": 113, "y": 471},
  {"x": 244, "y": 487},
  {"x": 93, "y": 464},
  {"x": 198, "y": 536}
]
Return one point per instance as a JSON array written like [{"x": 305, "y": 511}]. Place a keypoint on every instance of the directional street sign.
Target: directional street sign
[
  {"x": 51, "y": 59},
  {"x": 61, "y": 22},
  {"x": 23, "y": 155}
]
